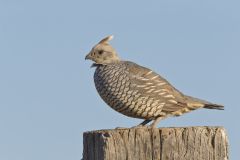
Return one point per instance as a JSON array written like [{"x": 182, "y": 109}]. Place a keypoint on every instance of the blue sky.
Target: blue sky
[{"x": 47, "y": 94}]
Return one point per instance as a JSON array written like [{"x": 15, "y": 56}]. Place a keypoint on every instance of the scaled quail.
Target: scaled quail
[{"x": 136, "y": 91}]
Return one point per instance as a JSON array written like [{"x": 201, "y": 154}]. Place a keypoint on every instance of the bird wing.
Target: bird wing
[{"x": 150, "y": 84}]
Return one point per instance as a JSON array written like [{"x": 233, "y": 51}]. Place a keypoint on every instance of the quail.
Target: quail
[{"x": 137, "y": 91}]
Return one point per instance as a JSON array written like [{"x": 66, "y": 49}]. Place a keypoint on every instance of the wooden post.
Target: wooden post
[{"x": 190, "y": 143}]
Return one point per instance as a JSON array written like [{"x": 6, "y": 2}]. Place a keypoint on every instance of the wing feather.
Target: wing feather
[{"x": 150, "y": 84}]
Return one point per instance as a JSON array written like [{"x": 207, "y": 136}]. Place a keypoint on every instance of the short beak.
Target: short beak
[{"x": 87, "y": 57}]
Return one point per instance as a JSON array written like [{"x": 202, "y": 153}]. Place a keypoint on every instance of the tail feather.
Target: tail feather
[
  {"x": 205, "y": 104},
  {"x": 214, "y": 106}
]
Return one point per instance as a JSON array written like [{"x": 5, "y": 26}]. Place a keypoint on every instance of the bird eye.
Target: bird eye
[{"x": 100, "y": 52}]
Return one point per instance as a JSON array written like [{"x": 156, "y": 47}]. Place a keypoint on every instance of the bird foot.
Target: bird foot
[
  {"x": 134, "y": 127},
  {"x": 139, "y": 126},
  {"x": 121, "y": 128}
]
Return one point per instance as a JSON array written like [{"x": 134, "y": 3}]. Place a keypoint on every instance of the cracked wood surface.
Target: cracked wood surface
[{"x": 189, "y": 143}]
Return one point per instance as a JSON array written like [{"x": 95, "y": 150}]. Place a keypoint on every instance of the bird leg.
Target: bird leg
[
  {"x": 156, "y": 121},
  {"x": 145, "y": 122}
]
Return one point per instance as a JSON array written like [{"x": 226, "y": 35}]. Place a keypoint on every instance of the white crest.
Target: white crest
[{"x": 106, "y": 39}]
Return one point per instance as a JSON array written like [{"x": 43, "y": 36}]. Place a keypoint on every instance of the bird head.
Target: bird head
[{"x": 103, "y": 53}]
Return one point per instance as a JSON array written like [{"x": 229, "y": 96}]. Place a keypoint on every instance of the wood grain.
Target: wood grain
[{"x": 190, "y": 143}]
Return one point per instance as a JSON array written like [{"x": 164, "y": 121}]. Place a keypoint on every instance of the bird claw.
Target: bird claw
[
  {"x": 121, "y": 128},
  {"x": 134, "y": 127},
  {"x": 139, "y": 126}
]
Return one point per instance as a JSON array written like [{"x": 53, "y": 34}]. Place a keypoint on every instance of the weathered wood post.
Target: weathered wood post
[{"x": 188, "y": 143}]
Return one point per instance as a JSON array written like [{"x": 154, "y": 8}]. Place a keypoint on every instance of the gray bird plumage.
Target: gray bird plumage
[{"x": 136, "y": 91}]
